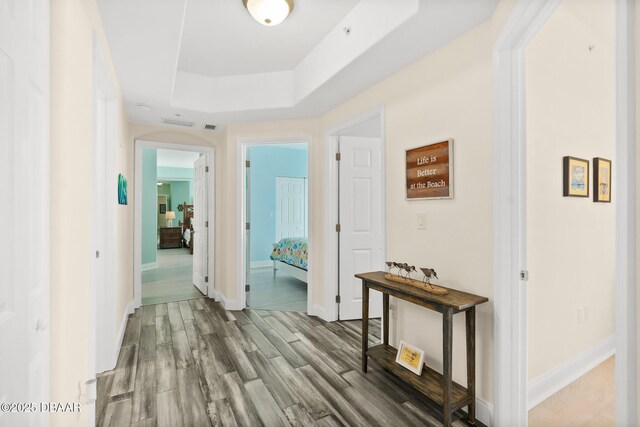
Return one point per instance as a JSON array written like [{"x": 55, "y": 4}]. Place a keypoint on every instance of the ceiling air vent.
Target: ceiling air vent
[
  {"x": 177, "y": 123},
  {"x": 210, "y": 127}
]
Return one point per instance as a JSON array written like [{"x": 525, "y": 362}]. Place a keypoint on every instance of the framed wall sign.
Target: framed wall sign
[
  {"x": 575, "y": 177},
  {"x": 410, "y": 357},
  {"x": 601, "y": 180},
  {"x": 430, "y": 171}
]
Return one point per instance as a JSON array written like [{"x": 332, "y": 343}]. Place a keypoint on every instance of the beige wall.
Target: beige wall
[
  {"x": 448, "y": 94},
  {"x": 73, "y": 24},
  {"x": 637, "y": 82},
  {"x": 570, "y": 241}
]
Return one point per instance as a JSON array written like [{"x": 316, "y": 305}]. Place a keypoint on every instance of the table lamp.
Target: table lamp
[{"x": 170, "y": 216}]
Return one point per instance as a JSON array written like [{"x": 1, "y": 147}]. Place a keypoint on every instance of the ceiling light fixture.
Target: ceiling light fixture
[
  {"x": 269, "y": 12},
  {"x": 144, "y": 107}
]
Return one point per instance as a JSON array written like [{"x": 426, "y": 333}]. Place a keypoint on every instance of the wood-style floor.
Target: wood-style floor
[
  {"x": 172, "y": 280},
  {"x": 194, "y": 364},
  {"x": 589, "y": 401},
  {"x": 283, "y": 292}
]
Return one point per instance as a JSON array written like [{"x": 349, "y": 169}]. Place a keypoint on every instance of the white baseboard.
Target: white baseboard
[
  {"x": 150, "y": 266},
  {"x": 228, "y": 304},
  {"x": 553, "y": 381},
  {"x": 261, "y": 264},
  {"x": 484, "y": 412},
  {"x": 318, "y": 310},
  {"x": 123, "y": 327}
]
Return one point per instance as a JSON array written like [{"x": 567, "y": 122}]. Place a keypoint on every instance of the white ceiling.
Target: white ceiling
[
  {"x": 176, "y": 159},
  {"x": 210, "y": 62},
  {"x": 221, "y": 39}
]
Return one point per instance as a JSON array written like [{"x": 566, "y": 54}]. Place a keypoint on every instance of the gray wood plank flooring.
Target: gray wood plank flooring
[{"x": 192, "y": 363}]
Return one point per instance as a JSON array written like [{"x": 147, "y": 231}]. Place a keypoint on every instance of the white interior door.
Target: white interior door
[
  {"x": 291, "y": 207},
  {"x": 361, "y": 234},
  {"x": 200, "y": 222},
  {"x": 24, "y": 178}
]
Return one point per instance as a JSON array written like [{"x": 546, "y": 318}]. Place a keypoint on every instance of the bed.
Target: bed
[
  {"x": 290, "y": 256},
  {"x": 187, "y": 227}
]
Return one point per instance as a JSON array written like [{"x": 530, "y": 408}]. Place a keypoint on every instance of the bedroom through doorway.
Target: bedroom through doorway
[
  {"x": 277, "y": 229},
  {"x": 169, "y": 197}
]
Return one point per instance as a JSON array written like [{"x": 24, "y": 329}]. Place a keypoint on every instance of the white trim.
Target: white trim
[
  {"x": 261, "y": 264},
  {"x": 510, "y": 354},
  {"x": 123, "y": 327},
  {"x": 211, "y": 196},
  {"x": 226, "y": 304},
  {"x": 484, "y": 412},
  {"x": 510, "y": 388},
  {"x": 240, "y": 302},
  {"x": 625, "y": 254},
  {"x": 102, "y": 352},
  {"x": 555, "y": 380},
  {"x": 319, "y": 311},
  {"x": 149, "y": 266},
  {"x": 331, "y": 203}
]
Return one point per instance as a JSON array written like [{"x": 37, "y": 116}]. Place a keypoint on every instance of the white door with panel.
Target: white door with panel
[
  {"x": 200, "y": 224},
  {"x": 291, "y": 207},
  {"x": 361, "y": 226},
  {"x": 24, "y": 185}
]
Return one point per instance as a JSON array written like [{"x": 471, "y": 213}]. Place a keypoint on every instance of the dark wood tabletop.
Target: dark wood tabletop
[{"x": 455, "y": 299}]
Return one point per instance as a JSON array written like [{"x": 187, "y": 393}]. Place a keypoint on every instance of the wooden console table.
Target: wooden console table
[{"x": 439, "y": 388}]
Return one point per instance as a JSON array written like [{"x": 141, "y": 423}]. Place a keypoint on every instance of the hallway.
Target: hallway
[
  {"x": 172, "y": 280},
  {"x": 194, "y": 364}
]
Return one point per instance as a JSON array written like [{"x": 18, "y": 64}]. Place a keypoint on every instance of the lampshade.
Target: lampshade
[
  {"x": 269, "y": 12},
  {"x": 170, "y": 215}
]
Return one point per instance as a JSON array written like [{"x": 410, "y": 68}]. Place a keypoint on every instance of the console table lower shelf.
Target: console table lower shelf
[{"x": 430, "y": 383}]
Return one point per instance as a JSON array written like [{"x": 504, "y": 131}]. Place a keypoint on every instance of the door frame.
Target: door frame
[
  {"x": 510, "y": 382},
  {"x": 242, "y": 144},
  {"x": 211, "y": 213},
  {"x": 102, "y": 298},
  {"x": 332, "y": 205}
]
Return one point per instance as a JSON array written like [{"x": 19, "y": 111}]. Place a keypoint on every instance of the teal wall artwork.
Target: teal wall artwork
[{"x": 122, "y": 190}]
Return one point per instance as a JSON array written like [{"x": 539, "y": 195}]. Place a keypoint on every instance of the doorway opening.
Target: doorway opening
[
  {"x": 174, "y": 198},
  {"x": 275, "y": 249},
  {"x": 356, "y": 211}
]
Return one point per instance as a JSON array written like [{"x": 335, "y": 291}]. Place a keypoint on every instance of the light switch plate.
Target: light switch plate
[{"x": 422, "y": 221}]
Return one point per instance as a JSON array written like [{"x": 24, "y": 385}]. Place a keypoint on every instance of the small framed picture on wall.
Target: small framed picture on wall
[
  {"x": 575, "y": 179},
  {"x": 601, "y": 180},
  {"x": 163, "y": 208}
]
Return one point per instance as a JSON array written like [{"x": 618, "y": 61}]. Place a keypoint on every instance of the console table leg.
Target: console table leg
[
  {"x": 385, "y": 318},
  {"x": 365, "y": 325},
  {"x": 447, "y": 349},
  {"x": 470, "y": 317}
]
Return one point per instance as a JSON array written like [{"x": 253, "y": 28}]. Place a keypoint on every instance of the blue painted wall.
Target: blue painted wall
[
  {"x": 268, "y": 162},
  {"x": 149, "y": 206},
  {"x": 180, "y": 193}
]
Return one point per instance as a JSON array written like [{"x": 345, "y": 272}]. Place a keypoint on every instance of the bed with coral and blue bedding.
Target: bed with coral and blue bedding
[{"x": 290, "y": 256}]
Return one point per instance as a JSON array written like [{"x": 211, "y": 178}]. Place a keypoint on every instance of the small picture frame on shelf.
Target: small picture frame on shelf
[
  {"x": 601, "y": 180},
  {"x": 410, "y": 357},
  {"x": 575, "y": 177}
]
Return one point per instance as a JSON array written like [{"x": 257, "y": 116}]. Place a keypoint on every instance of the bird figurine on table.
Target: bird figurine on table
[
  {"x": 390, "y": 265},
  {"x": 408, "y": 269},
  {"x": 429, "y": 273}
]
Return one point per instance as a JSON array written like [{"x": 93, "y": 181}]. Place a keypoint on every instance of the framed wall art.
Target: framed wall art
[
  {"x": 410, "y": 357},
  {"x": 575, "y": 177},
  {"x": 429, "y": 171},
  {"x": 122, "y": 190},
  {"x": 162, "y": 208},
  {"x": 601, "y": 180}
]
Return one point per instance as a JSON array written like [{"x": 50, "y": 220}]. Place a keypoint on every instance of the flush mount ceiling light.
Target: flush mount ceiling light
[{"x": 269, "y": 12}]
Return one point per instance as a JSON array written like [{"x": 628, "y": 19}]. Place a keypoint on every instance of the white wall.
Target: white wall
[
  {"x": 570, "y": 241},
  {"x": 73, "y": 24}
]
